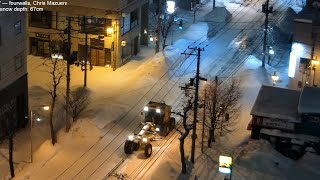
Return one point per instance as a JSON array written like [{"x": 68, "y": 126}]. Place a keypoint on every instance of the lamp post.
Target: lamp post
[
  {"x": 110, "y": 30},
  {"x": 270, "y": 52},
  {"x": 274, "y": 78},
  {"x": 314, "y": 63},
  {"x": 45, "y": 108}
]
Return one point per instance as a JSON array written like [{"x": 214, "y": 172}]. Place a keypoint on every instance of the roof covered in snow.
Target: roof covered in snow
[
  {"x": 278, "y": 103},
  {"x": 309, "y": 101}
]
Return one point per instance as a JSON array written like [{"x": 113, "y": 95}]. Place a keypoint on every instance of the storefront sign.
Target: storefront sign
[
  {"x": 45, "y": 36},
  {"x": 225, "y": 163},
  {"x": 277, "y": 124},
  {"x": 97, "y": 43}
]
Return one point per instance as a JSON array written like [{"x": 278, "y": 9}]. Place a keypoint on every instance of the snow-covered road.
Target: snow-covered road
[{"x": 120, "y": 96}]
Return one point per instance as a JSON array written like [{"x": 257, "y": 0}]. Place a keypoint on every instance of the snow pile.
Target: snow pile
[
  {"x": 259, "y": 159},
  {"x": 218, "y": 14}
]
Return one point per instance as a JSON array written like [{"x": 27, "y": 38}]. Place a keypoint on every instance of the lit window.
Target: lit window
[{"x": 17, "y": 27}]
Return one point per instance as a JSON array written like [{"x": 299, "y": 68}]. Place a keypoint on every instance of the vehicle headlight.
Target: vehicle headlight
[
  {"x": 145, "y": 140},
  {"x": 158, "y": 110},
  {"x": 131, "y": 137},
  {"x": 146, "y": 108},
  {"x": 157, "y": 129}
]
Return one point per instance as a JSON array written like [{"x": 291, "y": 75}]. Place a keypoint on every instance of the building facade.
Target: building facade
[
  {"x": 289, "y": 119},
  {"x": 13, "y": 71},
  {"x": 106, "y": 33}
]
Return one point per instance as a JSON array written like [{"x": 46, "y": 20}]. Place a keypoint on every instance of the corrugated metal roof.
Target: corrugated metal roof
[{"x": 278, "y": 103}]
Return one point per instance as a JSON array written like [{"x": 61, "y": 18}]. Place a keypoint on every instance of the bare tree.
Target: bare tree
[
  {"x": 57, "y": 70},
  {"x": 79, "y": 101},
  {"x": 223, "y": 106},
  {"x": 166, "y": 23},
  {"x": 165, "y": 29}
]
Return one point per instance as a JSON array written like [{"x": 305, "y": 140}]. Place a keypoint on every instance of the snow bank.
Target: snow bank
[{"x": 218, "y": 14}]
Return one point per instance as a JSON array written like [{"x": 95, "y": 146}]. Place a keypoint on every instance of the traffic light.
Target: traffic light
[
  {"x": 191, "y": 81},
  {"x": 73, "y": 57}
]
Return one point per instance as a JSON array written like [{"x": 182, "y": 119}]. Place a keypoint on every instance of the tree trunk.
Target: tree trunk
[
  {"x": 183, "y": 159},
  {"x": 10, "y": 133},
  {"x": 11, "y": 154},
  {"x": 182, "y": 138},
  {"x": 53, "y": 135},
  {"x": 164, "y": 43},
  {"x": 211, "y": 137}
]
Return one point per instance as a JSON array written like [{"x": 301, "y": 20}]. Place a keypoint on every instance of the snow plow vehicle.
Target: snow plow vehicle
[{"x": 157, "y": 121}]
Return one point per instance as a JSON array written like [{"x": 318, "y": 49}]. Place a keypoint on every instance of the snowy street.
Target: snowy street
[{"x": 94, "y": 147}]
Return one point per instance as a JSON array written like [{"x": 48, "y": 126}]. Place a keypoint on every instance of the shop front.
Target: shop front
[
  {"x": 40, "y": 45},
  {"x": 99, "y": 56}
]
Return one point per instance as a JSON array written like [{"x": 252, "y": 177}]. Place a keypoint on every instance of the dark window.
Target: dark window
[
  {"x": 18, "y": 61},
  {"x": 17, "y": 27},
  {"x": 94, "y": 25},
  {"x": 134, "y": 18},
  {"x": 41, "y": 19},
  {"x": 125, "y": 26}
]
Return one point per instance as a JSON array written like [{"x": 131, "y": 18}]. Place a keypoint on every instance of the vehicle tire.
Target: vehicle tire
[
  {"x": 136, "y": 146},
  {"x": 128, "y": 147},
  {"x": 147, "y": 150},
  {"x": 165, "y": 130},
  {"x": 172, "y": 123}
]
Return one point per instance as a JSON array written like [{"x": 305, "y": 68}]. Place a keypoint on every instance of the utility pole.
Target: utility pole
[
  {"x": 204, "y": 118},
  {"x": 158, "y": 36},
  {"x": 68, "y": 74},
  {"x": 194, "y": 133},
  {"x": 86, "y": 53},
  {"x": 265, "y": 9}
]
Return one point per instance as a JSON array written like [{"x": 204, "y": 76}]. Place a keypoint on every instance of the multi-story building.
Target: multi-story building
[
  {"x": 112, "y": 29},
  {"x": 13, "y": 70}
]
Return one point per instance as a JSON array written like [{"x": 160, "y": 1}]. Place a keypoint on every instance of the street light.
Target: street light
[
  {"x": 274, "y": 78},
  {"x": 270, "y": 52},
  {"x": 110, "y": 30},
  {"x": 45, "y": 108},
  {"x": 57, "y": 56},
  {"x": 314, "y": 63},
  {"x": 171, "y": 6}
]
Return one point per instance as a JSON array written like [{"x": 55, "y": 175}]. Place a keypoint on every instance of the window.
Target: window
[
  {"x": 41, "y": 19},
  {"x": 134, "y": 20},
  {"x": 17, "y": 27},
  {"x": 125, "y": 26},
  {"x": 18, "y": 61},
  {"x": 94, "y": 25}
]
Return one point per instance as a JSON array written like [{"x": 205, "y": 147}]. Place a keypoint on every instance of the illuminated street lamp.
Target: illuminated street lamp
[
  {"x": 57, "y": 56},
  {"x": 314, "y": 64},
  {"x": 274, "y": 78},
  {"x": 110, "y": 30},
  {"x": 38, "y": 119},
  {"x": 171, "y": 6},
  {"x": 270, "y": 52}
]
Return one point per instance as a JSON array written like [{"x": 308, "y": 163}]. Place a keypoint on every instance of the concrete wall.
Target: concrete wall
[
  {"x": 12, "y": 44},
  {"x": 13, "y": 80}
]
